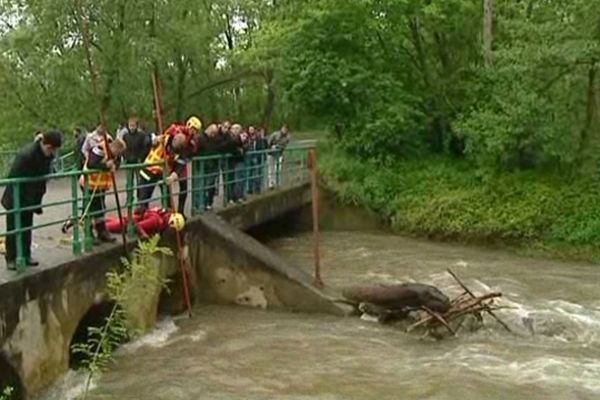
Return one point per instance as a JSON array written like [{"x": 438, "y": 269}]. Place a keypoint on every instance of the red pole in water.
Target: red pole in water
[
  {"x": 180, "y": 255},
  {"x": 314, "y": 186}
]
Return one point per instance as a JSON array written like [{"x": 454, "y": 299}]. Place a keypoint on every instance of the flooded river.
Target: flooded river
[{"x": 238, "y": 353}]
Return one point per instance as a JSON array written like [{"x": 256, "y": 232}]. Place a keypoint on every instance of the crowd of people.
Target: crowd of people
[{"x": 100, "y": 154}]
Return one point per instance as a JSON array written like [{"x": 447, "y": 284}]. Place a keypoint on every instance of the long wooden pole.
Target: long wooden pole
[
  {"x": 312, "y": 165},
  {"x": 83, "y": 23},
  {"x": 180, "y": 255}
]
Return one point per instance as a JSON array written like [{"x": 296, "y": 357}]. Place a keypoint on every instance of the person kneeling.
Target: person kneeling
[{"x": 99, "y": 182}]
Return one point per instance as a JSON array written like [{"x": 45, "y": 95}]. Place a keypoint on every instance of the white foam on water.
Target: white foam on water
[
  {"x": 549, "y": 370},
  {"x": 368, "y": 318},
  {"x": 75, "y": 392},
  {"x": 157, "y": 338},
  {"x": 70, "y": 387}
]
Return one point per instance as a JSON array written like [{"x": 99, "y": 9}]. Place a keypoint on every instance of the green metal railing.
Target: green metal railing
[
  {"x": 216, "y": 181},
  {"x": 62, "y": 163}
]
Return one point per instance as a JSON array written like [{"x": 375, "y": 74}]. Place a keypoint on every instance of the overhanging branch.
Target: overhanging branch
[{"x": 215, "y": 84}]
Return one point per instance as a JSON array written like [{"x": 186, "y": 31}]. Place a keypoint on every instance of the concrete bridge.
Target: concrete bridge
[{"x": 44, "y": 311}]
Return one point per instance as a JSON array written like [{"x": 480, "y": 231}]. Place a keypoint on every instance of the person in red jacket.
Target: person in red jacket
[{"x": 175, "y": 146}]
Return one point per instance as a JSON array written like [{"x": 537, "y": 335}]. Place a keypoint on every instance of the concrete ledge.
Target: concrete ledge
[
  {"x": 269, "y": 206},
  {"x": 233, "y": 268}
]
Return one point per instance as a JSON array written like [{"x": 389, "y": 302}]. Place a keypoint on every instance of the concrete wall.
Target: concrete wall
[
  {"x": 40, "y": 310},
  {"x": 233, "y": 268}
]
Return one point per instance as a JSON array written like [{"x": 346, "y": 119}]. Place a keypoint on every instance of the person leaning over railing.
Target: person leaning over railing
[
  {"x": 258, "y": 144},
  {"x": 278, "y": 141},
  {"x": 99, "y": 182},
  {"x": 191, "y": 129},
  {"x": 210, "y": 144},
  {"x": 174, "y": 148},
  {"x": 34, "y": 160},
  {"x": 236, "y": 166}
]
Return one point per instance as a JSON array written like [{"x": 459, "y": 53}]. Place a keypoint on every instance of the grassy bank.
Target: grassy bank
[{"x": 446, "y": 198}]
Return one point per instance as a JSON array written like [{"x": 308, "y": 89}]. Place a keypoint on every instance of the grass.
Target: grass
[{"x": 447, "y": 199}]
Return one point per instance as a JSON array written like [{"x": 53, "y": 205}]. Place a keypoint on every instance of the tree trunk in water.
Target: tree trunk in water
[
  {"x": 270, "y": 102},
  {"x": 488, "y": 31}
]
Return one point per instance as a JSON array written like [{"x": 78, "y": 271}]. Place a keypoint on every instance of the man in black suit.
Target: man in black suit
[{"x": 34, "y": 160}]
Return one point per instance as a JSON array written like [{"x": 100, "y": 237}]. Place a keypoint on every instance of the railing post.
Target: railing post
[
  {"x": 20, "y": 261},
  {"x": 247, "y": 174},
  {"x": 284, "y": 169},
  {"x": 224, "y": 169},
  {"x": 264, "y": 160},
  {"x": 130, "y": 189},
  {"x": 166, "y": 194},
  {"x": 88, "y": 242},
  {"x": 76, "y": 243},
  {"x": 194, "y": 184},
  {"x": 201, "y": 181}
]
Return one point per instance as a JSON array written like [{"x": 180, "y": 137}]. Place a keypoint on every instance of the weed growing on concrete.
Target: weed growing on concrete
[
  {"x": 6, "y": 393},
  {"x": 139, "y": 278}
]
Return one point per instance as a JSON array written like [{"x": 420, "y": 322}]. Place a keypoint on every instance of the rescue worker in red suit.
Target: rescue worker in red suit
[
  {"x": 175, "y": 146},
  {"x": 99, "y": 182},
  {"x": 154, "y": 220}
]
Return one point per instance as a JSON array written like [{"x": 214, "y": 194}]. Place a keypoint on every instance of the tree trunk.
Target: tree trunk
[
  {"x": 434, "y": 109},
  {"x": 181, "y": 76},
  {"x": 417, "y": 40},
  {"x": 591, "y": 116},
  {"x": 270, "y": 101},
  {"x": 115, "y": 70},
  {"x": 488, "y": 31}
]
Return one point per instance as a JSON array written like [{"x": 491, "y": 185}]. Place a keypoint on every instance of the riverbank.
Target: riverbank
[{"x": 444, "y": 198}]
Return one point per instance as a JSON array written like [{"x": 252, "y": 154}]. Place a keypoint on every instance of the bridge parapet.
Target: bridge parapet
[
  {"x": 42, "y": 311},
  {"x": 213, "y": 181}
]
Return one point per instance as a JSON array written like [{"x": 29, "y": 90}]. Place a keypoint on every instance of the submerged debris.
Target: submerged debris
[{"x": 420, "y": 307}]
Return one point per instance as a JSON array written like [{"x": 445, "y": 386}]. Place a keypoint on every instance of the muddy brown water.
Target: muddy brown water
[{"x": 239, "y": 353}]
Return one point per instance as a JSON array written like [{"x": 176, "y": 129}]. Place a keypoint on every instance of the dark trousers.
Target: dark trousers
[
  {"x": 97, "y": 209},
  {"x": 239, "y": 187},
  {"x": 11, "y": 240},
  {"x": 183, "y": 192},
  {"x": 146, "y": 190},
  {"x": 229, "y": 179},
  {"x": 210, "y": 185},
  {"x": 257, "y": 174}
]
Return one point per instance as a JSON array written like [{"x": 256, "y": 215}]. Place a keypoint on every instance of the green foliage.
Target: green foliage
[
  {"x": 445, "y": 198},
  {"x": 196, "y": 46},
  {"x": 407, "y": 76},
  {"x": 532, "y": 105},
  {"x": 137, "y": 281},
  {"x": 6, "y": 393},
  {"x": 402, "y": 77}
]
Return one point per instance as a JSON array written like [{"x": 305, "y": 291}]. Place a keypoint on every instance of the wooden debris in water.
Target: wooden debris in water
[{"x": 467, "y": 303}]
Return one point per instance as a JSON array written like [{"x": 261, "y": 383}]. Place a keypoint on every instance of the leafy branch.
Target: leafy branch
[
  {"x": 6, "y": 393},
  {"x": 139, "y": 280}
]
